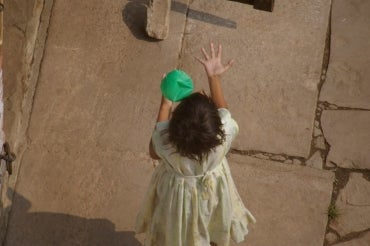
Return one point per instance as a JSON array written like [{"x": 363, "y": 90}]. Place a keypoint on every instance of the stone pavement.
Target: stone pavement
[{"x": 301, "y": 149}]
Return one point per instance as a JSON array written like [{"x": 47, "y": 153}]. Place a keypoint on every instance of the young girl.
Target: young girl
[{"x": 192, "y": 199}]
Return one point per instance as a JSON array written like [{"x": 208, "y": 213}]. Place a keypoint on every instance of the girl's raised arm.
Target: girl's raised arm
[{"x": 214, "y": 69}]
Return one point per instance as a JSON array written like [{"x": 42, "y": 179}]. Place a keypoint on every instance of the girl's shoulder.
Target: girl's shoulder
[{"x": 229, "y": 124}]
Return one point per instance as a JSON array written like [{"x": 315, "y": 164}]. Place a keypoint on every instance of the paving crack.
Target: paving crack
[
  {"x": 318, "y": 142},
  {"x": 179, "y": 59},
  {"x": 47, "y": 13},
  {"x": 283, "y": 158},
  {"x": 324, "y": 105},
  {"x": 341, "y": 179},
  {"x": 326, "y": 57},
  {"x": 19, "y": 29},
  {"x": 350, "y": 236}
]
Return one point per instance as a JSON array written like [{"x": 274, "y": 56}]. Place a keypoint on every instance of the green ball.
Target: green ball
[{"x": 177, "y": 85}]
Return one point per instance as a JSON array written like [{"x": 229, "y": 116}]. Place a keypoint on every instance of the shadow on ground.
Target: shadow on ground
[
  {"x": 42, "y": 228},
  {"x": 134, "y": 16}
]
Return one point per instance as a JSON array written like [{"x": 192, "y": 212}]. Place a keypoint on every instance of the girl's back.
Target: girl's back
[{"x": 192, "y": 198}]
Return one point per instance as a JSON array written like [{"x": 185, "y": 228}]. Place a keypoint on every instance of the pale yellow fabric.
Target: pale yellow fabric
[{"x": 188, "y": 204}]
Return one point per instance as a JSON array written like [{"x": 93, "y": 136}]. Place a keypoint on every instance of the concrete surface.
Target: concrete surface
[
  {"x": 353, "y": 203},
  {"x": 272, "y": 89},
  {"x": 85, "y": 167},
  {"x": 348, "y": 134},
  {"x": 289, "y": 202},
  {"x": 348, "y": 76},
  {"x": 93, "y": 132}
]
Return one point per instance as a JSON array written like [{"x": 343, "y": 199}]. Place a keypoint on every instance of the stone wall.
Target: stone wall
[{"x": 22, "y": 22}]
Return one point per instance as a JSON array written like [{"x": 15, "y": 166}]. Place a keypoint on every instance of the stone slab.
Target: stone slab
[
  {"x": 158, "y": 18},
  {"x": 348, "y": 134},
  {"x": 353, "y": 204},
  {"x": 348, "y": 76},
  {"x": 94, "y": 110},
  {"x": 17, "y": 17},
  {"x": 289, "y": 202},
  {"x": 64, "y": 200},
  {"x": 360, "y": 241},
  {"x": 272, "y": 88}
]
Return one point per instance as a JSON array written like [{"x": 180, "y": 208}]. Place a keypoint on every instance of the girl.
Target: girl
[{"x": 192, "y": 199}]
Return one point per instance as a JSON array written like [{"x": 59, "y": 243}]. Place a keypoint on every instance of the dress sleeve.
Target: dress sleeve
[
  {"x": 230, "y": 126},
  {"x": 159, "y": 137}
]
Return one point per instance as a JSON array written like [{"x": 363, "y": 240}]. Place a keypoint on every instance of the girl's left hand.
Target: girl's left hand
[
  {"x": 166, "y": 102},
  {"x": 212, "y": 63}
]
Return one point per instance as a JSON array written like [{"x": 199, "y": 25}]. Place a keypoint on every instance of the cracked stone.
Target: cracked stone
[
  {"x": 331, "y": 237},
  {"x": 266, "y": 73},
  {"x": 353, "y": 204},
  {"x": 347, "y": 82},
  {"x": 261, "y": 156},
  {"x": 332, "y": 106},
  {"x": 330, "y": 164},
  {"x": 315, "y": 160},
  {"x": 278, "y": 158},
  {"x": 317, "y": 132},
  {"x": 317, "y": 123},
  {"x": 319, "y": 143},
  {"x": 362, "y": 240},
  {"x": 348, "y": 133},
  {"x": 301, "y": 195}
]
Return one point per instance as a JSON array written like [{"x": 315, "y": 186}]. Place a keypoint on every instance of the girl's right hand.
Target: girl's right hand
[{"x": 213, "y": 64}]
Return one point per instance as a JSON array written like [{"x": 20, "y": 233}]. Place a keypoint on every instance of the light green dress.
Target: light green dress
[{"x": 188, "y": 204}]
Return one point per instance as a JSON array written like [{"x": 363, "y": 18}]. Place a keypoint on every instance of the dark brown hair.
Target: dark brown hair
[{"x": 195, "y": 127}]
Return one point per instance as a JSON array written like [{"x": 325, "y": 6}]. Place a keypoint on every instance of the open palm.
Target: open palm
[{"x": 213, "y": 64}]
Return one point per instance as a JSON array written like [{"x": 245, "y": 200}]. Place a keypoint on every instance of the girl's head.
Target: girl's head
[{"x": 195, "y": 127}]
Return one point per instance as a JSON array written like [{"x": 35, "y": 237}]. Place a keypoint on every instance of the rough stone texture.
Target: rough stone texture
[
  {"x": 348, "y": 133},
  {"x": 21, "y": 20},
  {"x": 272, "y": 88},
  {"x": 315, "y": 160},
  {"x": 348, "y": 76},
  {"x": 354, "y": 206},
  {"x": 317, "y": 132},
  {"x": 93, "y": 114},
  {"x": 278, "y": 158},
  {"x": 16, "y": 16},
  {"x": 289, "y": 202},
  {"x": 158, "y": 18},
  {"x": 331, "y": 237},
  {"x": 360, "y": 241},
  {"x": 319, "y": 143}
]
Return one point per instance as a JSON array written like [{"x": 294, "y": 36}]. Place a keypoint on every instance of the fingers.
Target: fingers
[
  {"x": 212, "y": 51},
  {"x": 205, "y": 54},
  {"x": 229, "y": 64},
  {"x": 219, "y": 53}
]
